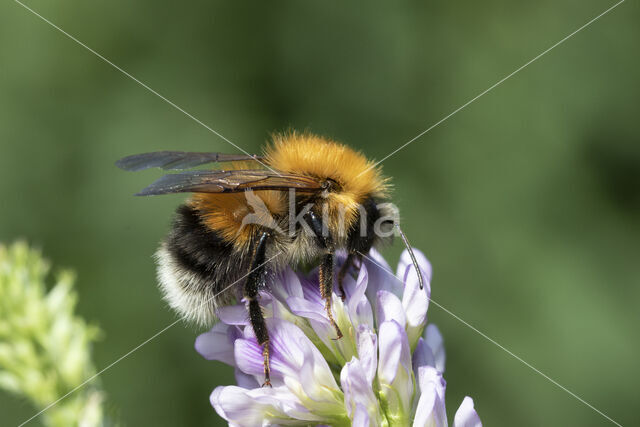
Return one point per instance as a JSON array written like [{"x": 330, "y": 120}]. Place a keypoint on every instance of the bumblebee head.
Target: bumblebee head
[{"x": 374, "y": 225}]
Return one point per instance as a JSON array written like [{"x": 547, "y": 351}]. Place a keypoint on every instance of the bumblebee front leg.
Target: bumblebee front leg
[{"x": 251, "y": 288}]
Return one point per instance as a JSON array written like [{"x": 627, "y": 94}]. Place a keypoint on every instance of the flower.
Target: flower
[
  {"x": 386, "y": 370},
  {"x": 45, "y": 347}
]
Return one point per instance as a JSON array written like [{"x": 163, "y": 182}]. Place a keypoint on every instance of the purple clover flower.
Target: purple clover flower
[{"x": 385, "y": 371}]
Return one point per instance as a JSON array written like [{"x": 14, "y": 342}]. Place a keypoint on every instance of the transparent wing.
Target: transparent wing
[
  {"x": 231, "y": 181},
  {"x": 177, "y": 160}
]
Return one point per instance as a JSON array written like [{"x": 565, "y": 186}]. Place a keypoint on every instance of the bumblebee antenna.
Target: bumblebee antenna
[{"x": 413, "y": 257}]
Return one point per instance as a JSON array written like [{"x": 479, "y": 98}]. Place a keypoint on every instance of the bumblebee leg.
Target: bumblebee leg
[
  {"x": 325, "y": 272},
  {"x": 256, "y": 317},
  {"x": 325, "y": 276},
  {"x": 343, "y": 272},
  {"x": 262, "y": 335}
]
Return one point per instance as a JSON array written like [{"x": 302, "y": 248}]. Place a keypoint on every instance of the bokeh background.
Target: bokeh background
[{"x": 527, "y": 201}]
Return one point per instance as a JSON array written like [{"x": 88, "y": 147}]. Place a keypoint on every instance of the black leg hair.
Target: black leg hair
[
  {"x": 251, "y": 287},
  {"x": 325, "y": 276},
  {"x": 325, "y": 272}
]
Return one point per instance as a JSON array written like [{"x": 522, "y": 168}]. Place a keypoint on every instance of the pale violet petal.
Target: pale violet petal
[
  {"x": 367, "y": 343},
  {"x": 415, "y": 302},
  {"x": 405, "y": 261},
  {"x": 349, "y": 282},
  {"x": 312, "y": 308},
  {"x": 286, "y": 402},
  {"x": 434, "y": 340},
  {"x": 245, "y": 380},
  {"x": 363, "y": 314},
  {"x": 389, "y": 307},
  {"x": 360, "y": 287},
  {"x": 307, "y": 309},
  {"x": 466, "y": 415},
  {"x": 390, "y": 352},
  {"x": 288, "y": 285},
  {"x": 325, "y": 332},
  {"x": 311, "y": 287},
  {"x": 380, "y": 276},
  {"x": 233, "y": 315},
  {"x": 285, "y": 357},
  {"x": 429, "y": 377},
  {"x": 358, "y": 391},
  {"x": 431, "y": 409},
  {"x": 422, "y": 356},
  {"x": 395, "y": 373},
  {"x": 217, "y": 344},
  {"x": 259, "y": 406},
  {"x": 358, "y": 305},
  {"x": 316, "y": 388},
  {"x": 236, "y": 406},
  {"x": 248, "y": 359},
  {"x": 361, "y": 418},
  {"x": 286, "y": 348},
  {"x": 294, "y": 362}
]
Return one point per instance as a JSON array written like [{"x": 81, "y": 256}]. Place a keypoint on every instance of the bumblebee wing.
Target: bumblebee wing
[
  {"x": 177, "y": 160},
  {"x": 231, "y": 181}
]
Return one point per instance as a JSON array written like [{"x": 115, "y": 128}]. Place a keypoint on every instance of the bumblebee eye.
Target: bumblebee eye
[{"x": 330, "y": 184}]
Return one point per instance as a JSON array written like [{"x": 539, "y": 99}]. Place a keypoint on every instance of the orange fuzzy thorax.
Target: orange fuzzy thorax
[
  {"x": 311, "y": 155},
  {"x": 302, "y": 154}
]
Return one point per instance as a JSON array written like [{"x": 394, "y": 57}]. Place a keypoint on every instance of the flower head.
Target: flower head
[
  {"x": 45, "y": 347},
  {"x": 386, "y": 370}
]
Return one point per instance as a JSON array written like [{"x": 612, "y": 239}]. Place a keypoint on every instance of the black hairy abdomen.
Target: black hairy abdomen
[{"x": 199, "y": 251}]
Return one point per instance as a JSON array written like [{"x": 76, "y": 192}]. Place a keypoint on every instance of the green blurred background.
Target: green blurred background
[{"x": 527, "y": 201}]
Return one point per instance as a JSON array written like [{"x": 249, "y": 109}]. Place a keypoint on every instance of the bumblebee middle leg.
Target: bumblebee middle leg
[
  {"x": 251, "y": 288},
  {"x": 325, "y": 276},
  {"x": 325, "y": 272}
]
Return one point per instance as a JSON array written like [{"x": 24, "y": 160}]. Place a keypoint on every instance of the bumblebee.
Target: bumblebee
[{"x": 297, "y": 204}]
